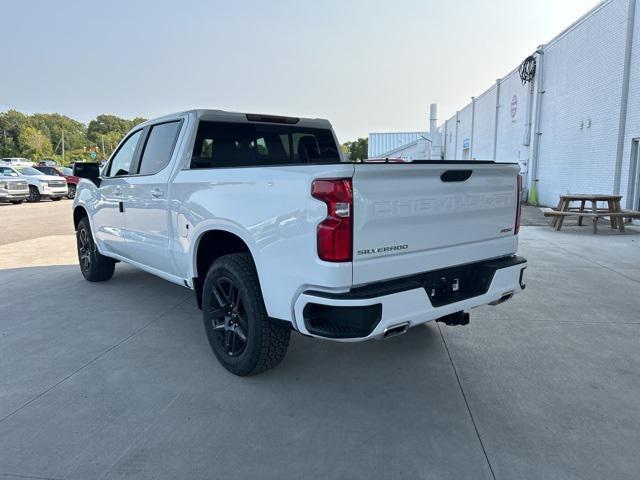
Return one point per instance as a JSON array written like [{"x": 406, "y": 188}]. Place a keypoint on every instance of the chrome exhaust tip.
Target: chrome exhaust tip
[
  {"x": 505, "y": 296},
  {"x": 395, "y": 330}
]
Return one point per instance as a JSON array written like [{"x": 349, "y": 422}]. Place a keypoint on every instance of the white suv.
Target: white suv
[
  {"x": 13, "y": 188},
  {"x": 40, "y": 185},
  {"x": 18, "y": 161}
]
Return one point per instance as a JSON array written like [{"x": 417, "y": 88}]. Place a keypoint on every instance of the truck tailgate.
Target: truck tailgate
[{"x": 417, "y": 217}]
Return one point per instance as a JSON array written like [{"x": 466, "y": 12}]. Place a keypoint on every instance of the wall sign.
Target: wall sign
[{"x": 514, "y": 106}]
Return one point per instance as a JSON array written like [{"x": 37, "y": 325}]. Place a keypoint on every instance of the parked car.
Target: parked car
[
  {"x": 66, "y": 173},
  {"x": 48, "y": 163},
  {"x": 18, "y": 161},
  {"x": 12, "y": 188},
  {"x": 274, "y": 231},
  {"x": 41, "y": 185}
]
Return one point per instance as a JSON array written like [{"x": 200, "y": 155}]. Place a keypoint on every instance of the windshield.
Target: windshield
[
  {"x": 48, "y": 170},
  {"x": 7, "y": 172},
  {"x": 28, "y": 171}
]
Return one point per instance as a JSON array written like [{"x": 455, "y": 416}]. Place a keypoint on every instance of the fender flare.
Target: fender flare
[{"x": 228, "y": 227}]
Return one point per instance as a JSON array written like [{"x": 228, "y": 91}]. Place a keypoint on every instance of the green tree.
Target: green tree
[
  {"x": 53, "y": 124},
  {"x": 40, "y": 135},
  {"x": 137, "y": 121},
  {"x": 356, "y": 150},
  {"x": 104, "y": 124},
  {"x": 109, "y": 129},
  {"x": 11, "y": 123},
  {"x": 34, "y": 144},
  {"x": 8, "y": 148},
  {"x": 111, "y": 140}
]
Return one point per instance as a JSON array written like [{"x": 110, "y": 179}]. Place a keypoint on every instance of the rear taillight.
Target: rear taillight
[
  {"x": 518, "y": 207},
  {"x": 335, "y": 232}
]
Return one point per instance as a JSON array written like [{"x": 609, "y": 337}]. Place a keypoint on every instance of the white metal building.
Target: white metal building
[
  {"x": 408, "y": 145},
  {"x": 575, "y": 128}
]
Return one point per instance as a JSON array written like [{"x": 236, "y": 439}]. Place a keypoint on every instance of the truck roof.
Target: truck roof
[{"x": 239, "y": 117}]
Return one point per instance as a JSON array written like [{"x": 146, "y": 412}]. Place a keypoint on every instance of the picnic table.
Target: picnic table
[{"x": 612, "y": 210}]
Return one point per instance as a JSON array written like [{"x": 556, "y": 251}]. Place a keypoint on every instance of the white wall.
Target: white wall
[
  {"x": 632, "y": 130},
  {"x": 484, "y": 120},
  {"x": 583, "y": 78},
  {"x": 464, "y": 134},
  {"x": 512, "y": 121},
  {"x": 511, "y": 124},
  {"x": 448, "y": 133}
]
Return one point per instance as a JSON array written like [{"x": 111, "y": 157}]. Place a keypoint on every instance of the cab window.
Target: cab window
[
  {"x": 121, "y": 162},
  {"x": 159, "y": 147}
]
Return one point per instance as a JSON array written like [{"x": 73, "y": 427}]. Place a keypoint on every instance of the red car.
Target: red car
[{"x": 72, "y": 181}]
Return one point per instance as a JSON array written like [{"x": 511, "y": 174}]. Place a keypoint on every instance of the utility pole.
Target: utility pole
[
  {"x": 62, "y": 146},
  {"x": 103, "y": 152}
]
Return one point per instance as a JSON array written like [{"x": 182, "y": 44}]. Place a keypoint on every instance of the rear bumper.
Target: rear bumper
[{"x": 367, "y": 312}]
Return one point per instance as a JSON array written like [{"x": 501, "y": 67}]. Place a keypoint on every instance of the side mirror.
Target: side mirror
[{"x": 90, "y": 171}]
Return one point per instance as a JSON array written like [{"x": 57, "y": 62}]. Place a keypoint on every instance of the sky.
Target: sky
[{"x": 366, "y": 65}]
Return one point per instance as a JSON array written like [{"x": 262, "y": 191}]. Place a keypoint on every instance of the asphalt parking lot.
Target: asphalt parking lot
[{"x": 117, "y": 380}]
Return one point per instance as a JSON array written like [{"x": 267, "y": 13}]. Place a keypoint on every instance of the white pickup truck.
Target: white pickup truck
[{"x": 274, "y": 231}]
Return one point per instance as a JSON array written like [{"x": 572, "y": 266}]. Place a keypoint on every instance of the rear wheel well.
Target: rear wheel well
[
  {"x": 78, "y": 214},
  {"x": 213, "y": 245}
]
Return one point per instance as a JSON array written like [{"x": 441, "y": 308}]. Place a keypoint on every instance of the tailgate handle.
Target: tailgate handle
[{"x": 456, "y": 175}]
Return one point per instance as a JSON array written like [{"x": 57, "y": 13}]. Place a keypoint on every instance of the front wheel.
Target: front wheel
[
  {"x": 94, "y": 266},
  {"x": 71, "y": 194},
  {"x": 243, "y": 338},
  {"x": 34, "y": 194}
]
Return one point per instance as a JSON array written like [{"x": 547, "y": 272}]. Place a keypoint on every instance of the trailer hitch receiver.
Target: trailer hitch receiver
[{"x": 455, "y": 319}]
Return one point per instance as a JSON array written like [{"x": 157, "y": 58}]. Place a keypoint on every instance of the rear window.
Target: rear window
[{"x": 221, "y": 144}]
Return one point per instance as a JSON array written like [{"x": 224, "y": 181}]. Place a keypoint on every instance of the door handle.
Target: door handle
[
  {"x": 157, "y": 193},
  {"x": 117, "y": 191}
]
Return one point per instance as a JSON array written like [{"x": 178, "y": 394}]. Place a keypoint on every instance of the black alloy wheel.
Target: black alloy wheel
[
  {"x": 242, "y": 336},
  {"x": 85, "y": 249},
  {"x": 34, "y": 194},
  {"x": 228, "y": 317},
  {"x": 94, "y": 266}
]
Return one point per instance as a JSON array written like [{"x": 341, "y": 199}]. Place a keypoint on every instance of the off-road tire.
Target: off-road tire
[
  {"x": 266, "y": 341},
  {"x": 94, "y": 266}
]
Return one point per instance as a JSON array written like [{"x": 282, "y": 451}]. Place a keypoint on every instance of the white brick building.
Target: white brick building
[{"x": 576, "y": 127}]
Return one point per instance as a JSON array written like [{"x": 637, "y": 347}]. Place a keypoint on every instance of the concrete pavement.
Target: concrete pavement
[
  {"x": 117, "y": 380},
  {"x": 35, "y": 220}
]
